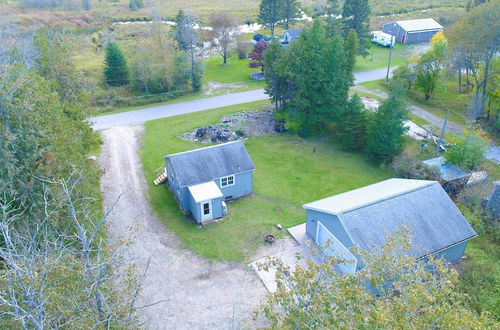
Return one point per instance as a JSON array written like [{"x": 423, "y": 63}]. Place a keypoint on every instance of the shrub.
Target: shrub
[
  {"x": 405, "y": 166},
  {"x": 467, "y": 151},
  {"x": 242, "y": 49}
]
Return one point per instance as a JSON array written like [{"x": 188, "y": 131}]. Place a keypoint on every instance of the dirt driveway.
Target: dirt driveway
[{"x": 201, "y": 294}]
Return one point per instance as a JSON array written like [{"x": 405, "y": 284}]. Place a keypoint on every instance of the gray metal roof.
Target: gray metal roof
[
  {"x": 434, "y": 220},
  {"x": 205, "y": 164},
  {"x": 423, "y": 24},
  {"x": 447, "y": 172}
]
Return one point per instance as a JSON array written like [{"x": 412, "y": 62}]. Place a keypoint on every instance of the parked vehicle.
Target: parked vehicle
[{"x": 383, "y": 39}]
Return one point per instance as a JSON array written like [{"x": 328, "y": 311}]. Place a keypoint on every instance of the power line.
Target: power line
[{"x": 140, "y": 96}]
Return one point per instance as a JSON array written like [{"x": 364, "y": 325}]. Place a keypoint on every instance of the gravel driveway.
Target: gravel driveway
[{"x": 201, "y": 294}]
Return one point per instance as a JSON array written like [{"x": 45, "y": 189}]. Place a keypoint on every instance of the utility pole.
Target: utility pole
[
  {"x": 389, "y": 64},
  {"x": 442, "y": 133}
]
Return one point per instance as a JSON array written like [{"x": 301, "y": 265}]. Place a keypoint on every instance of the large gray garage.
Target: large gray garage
[{"x": 413, "y": 31}]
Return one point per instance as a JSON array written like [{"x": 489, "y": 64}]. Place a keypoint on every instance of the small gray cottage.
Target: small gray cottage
[
  {"x": 290, "y": 36},
  {"x": 365, "y": 216},
  {"x": 413, "y": 31},
  {"x": 202, "y": 179}
]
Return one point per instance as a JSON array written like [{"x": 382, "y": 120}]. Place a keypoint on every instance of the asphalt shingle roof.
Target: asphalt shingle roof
[
  {"x": 446, "y": 172},
  {"x": 205, "y": 164},
  {"x": 434, "y": 220}
]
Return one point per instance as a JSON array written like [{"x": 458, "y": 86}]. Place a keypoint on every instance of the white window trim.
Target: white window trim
[
  {"x": 227, "y": 177},
  {"x": 209, "y": 215}
]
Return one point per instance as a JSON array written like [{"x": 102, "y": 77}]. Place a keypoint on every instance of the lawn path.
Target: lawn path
[{"x": 200, "y": 294}]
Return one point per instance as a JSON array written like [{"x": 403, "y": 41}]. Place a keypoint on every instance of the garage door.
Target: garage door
[{"x": 335, "y": 249}]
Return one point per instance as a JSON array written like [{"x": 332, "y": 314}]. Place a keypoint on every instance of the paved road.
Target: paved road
[{"x": 162, "y": 111}]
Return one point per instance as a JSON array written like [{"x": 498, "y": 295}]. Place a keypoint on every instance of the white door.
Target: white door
[
  {"x": 335, "y": 249},
  {"x": 206, "y": 210}
]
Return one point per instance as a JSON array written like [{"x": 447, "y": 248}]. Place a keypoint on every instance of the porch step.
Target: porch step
[{"x": 160, "y": 179}]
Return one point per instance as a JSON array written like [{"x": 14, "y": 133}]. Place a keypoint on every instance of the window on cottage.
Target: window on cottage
[
  {"x": 227, "y": 181},
  {"x": 206, "y": 209}
]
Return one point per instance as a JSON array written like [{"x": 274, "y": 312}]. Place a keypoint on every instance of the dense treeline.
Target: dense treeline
[
  {"x": 163, "y": 61},
  {"x": 309, "y": 84},
  {"x": 54, "y": 270}
]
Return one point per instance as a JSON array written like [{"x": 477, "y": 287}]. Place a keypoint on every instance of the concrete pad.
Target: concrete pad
[
  {"x": 299, "y": 234},
  {"x": 288, "y": 257}
]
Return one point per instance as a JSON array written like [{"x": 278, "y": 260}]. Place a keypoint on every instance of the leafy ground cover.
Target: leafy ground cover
[{"x": 290, "y": 171}]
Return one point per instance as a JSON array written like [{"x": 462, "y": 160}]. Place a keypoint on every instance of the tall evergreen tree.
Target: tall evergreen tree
[
  {"x": 186, "y": 37},
  {"x": 356, "y": 16},
  {"x": 270, "y": 13},
  {"x": 115, "y": 66},
  {"x": 386, "y": 128},
  {"x": 180, "y": 28},
  {"x": 351, "y": 45},
  {"x": 352, "y": 125},
  {"x": 290, "y": 12},
  {"x": 320, "y": 82}
]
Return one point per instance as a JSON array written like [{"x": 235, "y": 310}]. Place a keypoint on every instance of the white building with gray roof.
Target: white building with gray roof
[{"x": 364, "y": 217}]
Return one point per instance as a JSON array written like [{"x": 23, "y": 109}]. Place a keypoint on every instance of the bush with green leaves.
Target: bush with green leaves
[
  {"x": 467, "y": 151},
  {"x": 315, "y": 296},
  {"x": 405, "y": 166}
]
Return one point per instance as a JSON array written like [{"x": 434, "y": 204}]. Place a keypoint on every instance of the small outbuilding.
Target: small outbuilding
[
  {"x": 364, "y": 217},
  {"x": 413, "y": 31},
  {"x": 451, "y": 177},
  {"x": 202, "y": 180}
]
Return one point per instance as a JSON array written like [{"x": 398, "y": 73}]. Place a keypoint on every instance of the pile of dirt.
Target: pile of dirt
[{"x": 237, "y": 126}]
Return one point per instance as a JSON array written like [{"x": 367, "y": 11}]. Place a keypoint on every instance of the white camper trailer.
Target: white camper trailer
[{"x": 383, "y": 39}]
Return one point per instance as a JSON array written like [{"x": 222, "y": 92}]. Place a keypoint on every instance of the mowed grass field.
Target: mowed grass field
[{"x": 290, "y": 171}]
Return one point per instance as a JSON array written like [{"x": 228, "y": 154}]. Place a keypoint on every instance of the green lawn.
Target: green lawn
[
  {"x": 445, "y": 98},
  {"x": 480, "y": 271},
  {"x": 288, "y": 174},
  {"x": 237, "y": 72},
  {"x": 379, "y": 57}
]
